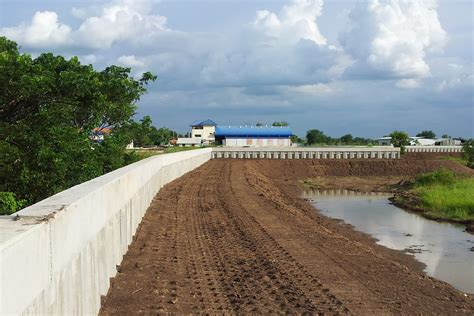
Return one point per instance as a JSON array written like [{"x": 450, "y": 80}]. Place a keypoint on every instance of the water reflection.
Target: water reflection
[{"x": 444, "y": 248}]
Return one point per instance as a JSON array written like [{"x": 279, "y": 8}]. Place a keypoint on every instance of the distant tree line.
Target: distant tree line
[
  {"x": 144, "y": 134},
  {"x": 282, "y": 123},
  {"x": 317, "y": 137}
]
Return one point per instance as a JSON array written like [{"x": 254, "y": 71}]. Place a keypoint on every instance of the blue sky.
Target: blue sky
[{"x": 360, "y": 67}]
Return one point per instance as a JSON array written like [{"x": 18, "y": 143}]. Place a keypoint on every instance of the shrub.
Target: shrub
[
  {"x": 400, "y": 139},
  {"x": 9, "y": 203},
  {"x": 441, "y": 176},
  {"x": 468, "y": 149},
  {"x": 454, "y": 200}
]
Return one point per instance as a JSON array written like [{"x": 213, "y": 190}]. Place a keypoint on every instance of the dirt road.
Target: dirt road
[{"x": 233, "y": 236}]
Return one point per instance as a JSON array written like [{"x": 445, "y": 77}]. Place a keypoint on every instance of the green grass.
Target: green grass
[
  {"x": 175, "y": 149},
  {"x": 146, "y": 153},
  {"x": 459, "y": 160},
  {"x": 444, "y": 195},
  {"x": 142, "y": 154}
]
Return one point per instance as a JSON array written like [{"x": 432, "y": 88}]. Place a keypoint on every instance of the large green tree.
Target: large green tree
[
  {"x": 145, "y": 134},
  {"x": 48, "y": 107},
  {"x": 347, "y": 139},
  {"x": 315, "y": 136},
  {"x": 400, "y": 139}
]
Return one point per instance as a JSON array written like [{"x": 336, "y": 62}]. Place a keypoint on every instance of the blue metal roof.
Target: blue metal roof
[
  {"x": 253, "y": 131},
  {"x": 204, "y": 123}
]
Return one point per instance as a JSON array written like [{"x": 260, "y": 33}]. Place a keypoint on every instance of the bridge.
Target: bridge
[{"x": 57, "y": 256}]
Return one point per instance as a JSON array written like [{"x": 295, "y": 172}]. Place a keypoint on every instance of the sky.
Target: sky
[{"x": 341, "y": 66}]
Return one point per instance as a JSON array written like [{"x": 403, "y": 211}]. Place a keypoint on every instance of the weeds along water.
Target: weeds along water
[
  {"x": 445, "y": 195},
  {"x": 454, "y": 201}
]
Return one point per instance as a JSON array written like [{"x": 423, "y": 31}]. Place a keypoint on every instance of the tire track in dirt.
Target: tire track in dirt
[
  {"x": 356, "y": 285},
  {"x": 284, "y": 280},
  {"x": 360, "y": 271},
  {"x": 229, "y": 238}
]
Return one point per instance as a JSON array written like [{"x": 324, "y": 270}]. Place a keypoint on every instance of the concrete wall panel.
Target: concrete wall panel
[{"x": 59, "y": 257}]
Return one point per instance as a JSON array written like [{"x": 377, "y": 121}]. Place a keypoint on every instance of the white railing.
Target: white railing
[
  {"x": 306, "y": 153},
  {"x": 434, "y": 149}
]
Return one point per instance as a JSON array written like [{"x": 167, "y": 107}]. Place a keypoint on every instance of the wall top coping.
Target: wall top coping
[
  {"x": 441, "y": 147},
  {"x": 307, "y": 149}
]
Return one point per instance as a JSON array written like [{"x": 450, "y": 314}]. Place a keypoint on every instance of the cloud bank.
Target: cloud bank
[
  {"x": 389, "y": 54},
  {"x": 390, "y": 39}
]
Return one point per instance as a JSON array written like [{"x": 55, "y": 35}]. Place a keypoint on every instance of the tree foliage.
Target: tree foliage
[
  {"x": 347, "y": 139},
  {"x": 48, "y": 107},
  {"x": 282, "y": 123},
  {"x": 427, "y": 134},
  {"x": 315, "y": 136},
  {"x": 468, "y": 151},
  {"x": 144, "y": 134},
  {"x": 296, "y": 140},
  {"x": 400, "y": 139},
  {"x": 9, "y": 203}
]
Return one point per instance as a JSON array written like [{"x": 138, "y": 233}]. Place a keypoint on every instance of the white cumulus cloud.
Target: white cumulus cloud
[
  {"x": 120, "y": 20},
  {"x": 130, "y": 61},
  {"x": 295, "y": 21},
  {"x": 283, "y": 48},
  {"x": 391, "y": 38},
  {"x": 44, "y": 31},
  {"x": 101, "y": 27}
]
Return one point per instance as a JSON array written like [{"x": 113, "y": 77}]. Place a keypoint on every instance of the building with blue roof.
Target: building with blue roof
[
  {"x": 207, "y": 122},
  {"x": 253, "y": 136},
  {"x": 203, "y": 130}
]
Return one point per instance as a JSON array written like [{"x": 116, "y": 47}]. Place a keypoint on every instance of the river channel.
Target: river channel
[{"x": 445, "y": 249}]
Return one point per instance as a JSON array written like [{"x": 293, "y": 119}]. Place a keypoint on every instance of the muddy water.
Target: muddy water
[{"x": 445, "y": 249}]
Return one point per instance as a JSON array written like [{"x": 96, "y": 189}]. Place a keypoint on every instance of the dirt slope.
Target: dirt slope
[{"x": 233, "y": 236}]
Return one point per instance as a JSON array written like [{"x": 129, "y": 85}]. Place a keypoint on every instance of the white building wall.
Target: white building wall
[
  {"x": 206, "y": 133},
  {"x": 257, "y": 142}
]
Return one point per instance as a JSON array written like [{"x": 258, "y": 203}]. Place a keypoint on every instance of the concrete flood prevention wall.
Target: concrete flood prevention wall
[
  {"x": 382, "y": 152},
  {"x": 434, "y": 149},
  {"x": 59, "y": 255}
]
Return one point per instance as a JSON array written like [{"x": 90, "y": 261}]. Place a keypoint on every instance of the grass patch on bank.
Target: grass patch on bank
[
  {"x": 443, "y": 194},
  {"x": 460, "y": 160}
]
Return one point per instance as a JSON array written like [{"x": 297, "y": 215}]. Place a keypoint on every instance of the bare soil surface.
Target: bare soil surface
[
  {"x": 234, "y": 236},
  {"x": 359, "y": 184}
]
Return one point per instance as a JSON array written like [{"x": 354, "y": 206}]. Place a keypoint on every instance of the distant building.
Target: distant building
[
  {"x": 421, "y": 141},
  {"x": 384, "y": 141},
  {"x": 189, "y": 142},
  {"x": 205, "y": 130},
  {"x": 98, "y": 134},
  {"x": 253, "y": 136},
  {"x": 448, "y": 142}
]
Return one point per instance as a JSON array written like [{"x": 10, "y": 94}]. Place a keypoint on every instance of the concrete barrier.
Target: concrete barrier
[
  {"x": 58, "y": 257},
  {"x": 434, "y": 149},
  {"x": 382, "y": 152}
]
